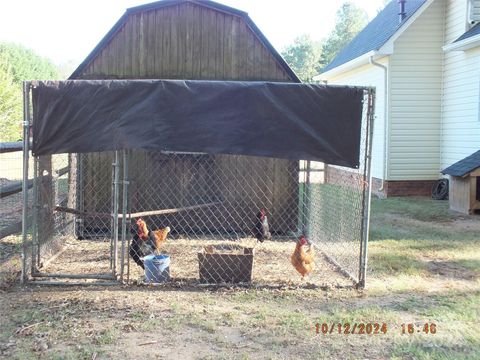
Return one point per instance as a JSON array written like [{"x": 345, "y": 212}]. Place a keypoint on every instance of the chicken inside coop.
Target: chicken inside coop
[
  {"x": 262, "y": 229},
  {"x": 146, "y": 242},
  {"x": 303, "y": 257}
]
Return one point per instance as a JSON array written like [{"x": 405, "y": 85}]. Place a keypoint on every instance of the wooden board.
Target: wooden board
[
  {"x": 460, "y": 194},
  {"x": 219, "y": 267}
]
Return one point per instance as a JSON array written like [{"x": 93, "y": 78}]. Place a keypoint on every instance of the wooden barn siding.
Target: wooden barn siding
[
  {"x": 239, "y": 184},
  {"x": 193, "y": 42},
  {"x": 185, "y": 42}
]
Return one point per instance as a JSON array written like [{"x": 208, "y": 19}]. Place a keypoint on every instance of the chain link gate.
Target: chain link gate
[
  {"x": 203, "y": 214},
  {"x": 210, "y": 207}
]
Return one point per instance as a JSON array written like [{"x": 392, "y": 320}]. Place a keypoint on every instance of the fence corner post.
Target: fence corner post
[{"x": 26, "y": 136}]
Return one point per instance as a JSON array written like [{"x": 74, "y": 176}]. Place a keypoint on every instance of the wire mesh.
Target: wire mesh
[
  {"x": 11, "y": 196},
  {"x": 72, "y": 224},
  {"x": 339, "y": 205},
  {"x": 154, "y": 216}
]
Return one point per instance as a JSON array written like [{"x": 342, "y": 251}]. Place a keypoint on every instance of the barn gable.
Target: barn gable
[{"x": 185, "y": 39}]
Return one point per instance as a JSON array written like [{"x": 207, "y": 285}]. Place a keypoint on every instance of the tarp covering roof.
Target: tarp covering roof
[{"x": 282, "y": 120}]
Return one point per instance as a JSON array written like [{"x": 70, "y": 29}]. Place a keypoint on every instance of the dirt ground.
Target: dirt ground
[
  {"x": 421, "y": 272},
  {"x": 271, "y": 262}
]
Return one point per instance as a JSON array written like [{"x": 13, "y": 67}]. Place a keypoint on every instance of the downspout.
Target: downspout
[{"x": 385, "y": 115}]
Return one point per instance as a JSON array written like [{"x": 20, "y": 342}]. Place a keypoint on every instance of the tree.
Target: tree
[
  {"x": 303, "y": 56},
  {"x": 17, "y": 64},
  {"x": 10, "y": 105},
  {"x": 350, "y": 21}
]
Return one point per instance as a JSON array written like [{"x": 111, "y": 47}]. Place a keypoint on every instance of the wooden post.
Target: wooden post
[
  {"x": 72, "y": 192},
  {"x": 46, "y": 200}
]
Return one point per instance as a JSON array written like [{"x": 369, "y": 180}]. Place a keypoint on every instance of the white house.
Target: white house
[{"x": 423, "y": 57}]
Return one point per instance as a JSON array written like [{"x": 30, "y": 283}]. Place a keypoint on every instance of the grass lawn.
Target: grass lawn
[{"x": 424, "y": 268}]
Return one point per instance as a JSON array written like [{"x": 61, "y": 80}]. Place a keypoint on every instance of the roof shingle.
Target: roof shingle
[
  {"x": 376, "y": 33},
  {"x": 464, "y": 166},
  {"x": 472, "y": 32}
]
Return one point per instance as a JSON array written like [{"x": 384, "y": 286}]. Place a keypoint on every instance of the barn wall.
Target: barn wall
[
  {"x": 186, "y": 41},
  {"x": 238, "y": 185},
  {"x": 190, "y": 41}
]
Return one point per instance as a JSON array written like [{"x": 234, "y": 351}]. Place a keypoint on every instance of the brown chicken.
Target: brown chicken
[
  {"x": 146, "y": 242},
  {"x": 160, "y": 238},
  {"x": 302, "y": 259}
]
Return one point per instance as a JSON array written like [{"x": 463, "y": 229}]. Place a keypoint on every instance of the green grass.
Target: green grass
[
  {"x": 408, "y": 233},
  {"x": 419, "y": 208},
  {"x": 108, "y": 336},
  {"x": 418, "y": 251}
]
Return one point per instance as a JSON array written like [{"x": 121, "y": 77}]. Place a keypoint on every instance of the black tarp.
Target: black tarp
[{"x": 283, "y": 120}]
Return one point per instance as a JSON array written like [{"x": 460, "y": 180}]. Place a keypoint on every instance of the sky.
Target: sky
[{"x": 68, "y": 30}]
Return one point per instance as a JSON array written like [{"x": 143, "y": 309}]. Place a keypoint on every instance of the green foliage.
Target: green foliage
[
  {"x": 303, "y": 56},
  {"x": 25, "y": 64},
  {"x": 17, "y": 64},
  {"x": 307, "y": 57},
  {"x": 10, "y": 105},
  {"x": 350, "y": 21}
]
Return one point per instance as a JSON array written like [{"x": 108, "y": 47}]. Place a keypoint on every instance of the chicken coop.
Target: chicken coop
[{"x": 201, "y": 158}]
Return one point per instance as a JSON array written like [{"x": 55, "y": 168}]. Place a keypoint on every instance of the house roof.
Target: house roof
[
  {"x": 376, "y": 33},
  {"x": 472, "y": 32},
  {"x": 464, "y": 166},
  {"x": 166, "y": 3}
]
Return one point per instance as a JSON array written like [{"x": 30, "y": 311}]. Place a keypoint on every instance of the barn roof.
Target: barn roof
[
  {"x": 167, "y": 3},
  {"x": 376, "y": 33},
  {"x": 464, "y": 166}
]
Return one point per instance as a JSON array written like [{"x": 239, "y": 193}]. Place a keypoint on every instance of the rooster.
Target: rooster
[
  {"x": 302, "y": 259},
  {"x": 262, "y": 230},
  {"x": 146, "y": 242}
]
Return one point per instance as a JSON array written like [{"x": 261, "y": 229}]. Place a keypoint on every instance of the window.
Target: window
[{"x": 473, "y": 12}]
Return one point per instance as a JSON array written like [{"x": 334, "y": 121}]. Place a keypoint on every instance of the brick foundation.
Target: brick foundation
[
  {"x": 391, "y": 188},
  {"x": 410, "y": 188},
  {"x": 342, "y": 177}
]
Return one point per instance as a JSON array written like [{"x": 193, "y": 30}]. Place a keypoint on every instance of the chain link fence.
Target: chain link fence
[
  {"x": 11, "y": 171},
  {"x": 143, "y": 216}
]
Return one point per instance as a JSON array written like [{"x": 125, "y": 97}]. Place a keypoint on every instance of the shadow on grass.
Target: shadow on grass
[
  {"x": 382, "y": 229},
  {"x": 418, "y": 208},
  {"x": 388, "y": 263},
  {"x": 462, "y": 269}
]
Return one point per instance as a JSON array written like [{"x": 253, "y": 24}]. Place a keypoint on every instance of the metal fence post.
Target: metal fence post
[
  {"x": 124, "y": 212},
  {"x": 35, "y": 242},
  {"x": 307, "y": 198},
  {"x": 26, "y": 136},
  {"x": 368, "y": 198},
  {"x": 79, "y": 221},
  {"x": 116, "y": 192}
]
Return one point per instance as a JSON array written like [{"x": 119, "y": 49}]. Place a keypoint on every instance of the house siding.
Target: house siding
[
  {"x": 369, "y": 75},
  {"x": 460, "y": 133},
  {"x": 415, "y": 98}
]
